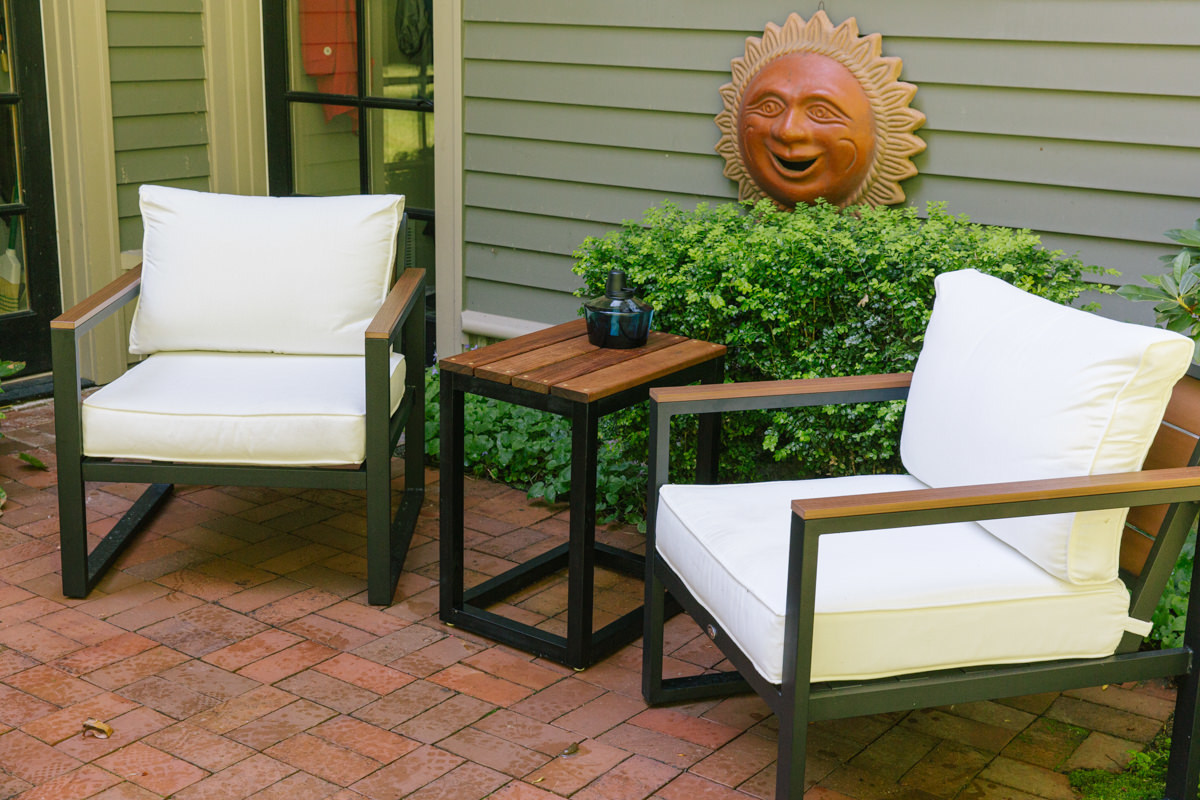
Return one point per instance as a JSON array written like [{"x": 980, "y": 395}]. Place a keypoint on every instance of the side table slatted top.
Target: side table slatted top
[{"x": 562, "y": 362}]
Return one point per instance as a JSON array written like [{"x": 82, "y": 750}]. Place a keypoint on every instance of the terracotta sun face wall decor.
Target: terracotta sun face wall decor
[{"x": 815, "y": 111}]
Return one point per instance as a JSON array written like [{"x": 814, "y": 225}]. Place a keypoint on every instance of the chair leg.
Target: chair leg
[
  {"x": 83, "y": 570},
  {"x": 72, "y": 529},
  {"x": 654, "y": 616},
  {"x": 793, "y": 742},
  {"x": 1183, "y": 765},
  {"x": 388, "y": 538}
]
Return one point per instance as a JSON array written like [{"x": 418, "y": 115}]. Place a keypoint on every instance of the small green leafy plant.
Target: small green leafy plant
[
  {"x": 1144, "y": 778},
  {"x": 1176, "y": 292},
  {"x": 1171, "y": 612}
]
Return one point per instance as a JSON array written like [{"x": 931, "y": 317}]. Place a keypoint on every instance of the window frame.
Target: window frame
[{"x": 280, "y": 98}]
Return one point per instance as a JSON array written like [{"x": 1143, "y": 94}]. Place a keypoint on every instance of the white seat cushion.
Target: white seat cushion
[
  {"x": 1012, "y": 387},
  {"x": 262, "y": 274},
  {"x": 888, "y": 602},
  {"x": 236, "y": 408}
]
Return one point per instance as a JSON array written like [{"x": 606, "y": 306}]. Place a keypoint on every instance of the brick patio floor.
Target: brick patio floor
[{"x": 232, "y": 652}]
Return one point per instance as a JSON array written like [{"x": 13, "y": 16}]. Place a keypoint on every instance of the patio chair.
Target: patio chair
[
  {"x": 277, "y": 356},
  {"x": 1000, "y": 565}
]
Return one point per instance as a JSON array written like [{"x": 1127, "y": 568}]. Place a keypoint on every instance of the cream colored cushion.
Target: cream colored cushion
[
  {"x": 888, "y": 602},
  {"x": 1012, "y": 387},
  {"x": 262, "y": 274},
  {"x": 235, "y": 408}
]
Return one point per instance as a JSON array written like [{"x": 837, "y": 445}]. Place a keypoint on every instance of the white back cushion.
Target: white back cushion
[
  {"x": 1012, "y": 387},
  {"x": 262, "y": 274}
]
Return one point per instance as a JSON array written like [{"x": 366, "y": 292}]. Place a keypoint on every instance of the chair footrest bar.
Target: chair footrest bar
[
  {"x": 142, "y": 511},
  {"x": 698, "y": 687}
]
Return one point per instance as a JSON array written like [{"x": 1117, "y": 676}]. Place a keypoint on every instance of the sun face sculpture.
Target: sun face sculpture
[{"x": 815, "y": 111}]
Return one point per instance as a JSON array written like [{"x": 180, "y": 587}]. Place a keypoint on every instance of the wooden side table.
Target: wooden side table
[{"x": 559, "y": 371}]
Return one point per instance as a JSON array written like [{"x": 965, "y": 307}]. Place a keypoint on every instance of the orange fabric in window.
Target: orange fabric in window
[{"x": 329, "y": 50}]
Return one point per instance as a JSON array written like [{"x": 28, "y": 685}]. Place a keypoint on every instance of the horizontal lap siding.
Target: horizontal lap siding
[
  {"x": 156, "y": 62},
  {"x": 1073, "y": 118}
]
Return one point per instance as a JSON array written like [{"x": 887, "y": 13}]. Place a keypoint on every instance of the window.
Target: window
[{"x": 349, "y": 88}]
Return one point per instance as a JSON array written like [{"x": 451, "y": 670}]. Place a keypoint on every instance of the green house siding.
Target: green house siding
[
  {"x": 156, "y": 63},
  {"x": 1073, "y": 118}
]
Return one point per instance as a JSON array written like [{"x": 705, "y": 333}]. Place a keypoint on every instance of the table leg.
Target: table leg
[
  {"x": 708, "y": 438},
  {"x": 451, "y": 488},
  {"x": 581, "y": 564}
]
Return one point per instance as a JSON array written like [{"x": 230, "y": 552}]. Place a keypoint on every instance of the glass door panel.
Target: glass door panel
[
  {"x": 29, "y": 288},
  {"x": 404, "y": 143}
]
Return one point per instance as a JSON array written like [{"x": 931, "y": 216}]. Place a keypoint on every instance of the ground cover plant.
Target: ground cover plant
[{"x": 1144, "y": 778}]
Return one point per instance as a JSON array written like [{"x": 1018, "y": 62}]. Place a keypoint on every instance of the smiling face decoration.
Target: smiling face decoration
[{"x": 815, "y": 112}]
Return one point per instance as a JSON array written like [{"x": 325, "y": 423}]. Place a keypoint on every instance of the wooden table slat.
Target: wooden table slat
[
  {"x": 503, "y": 370},
  {"x": 540, "y": 380},
  {"x": 610, "y": 380},
  {"x": 466, "y": 363}
]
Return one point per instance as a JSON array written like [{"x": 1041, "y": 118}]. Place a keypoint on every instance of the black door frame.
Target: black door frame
[{"x": 31, "y": 328}]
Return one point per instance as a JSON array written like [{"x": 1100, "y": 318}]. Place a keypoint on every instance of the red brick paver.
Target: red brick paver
[{"x": 233, "y": 652}]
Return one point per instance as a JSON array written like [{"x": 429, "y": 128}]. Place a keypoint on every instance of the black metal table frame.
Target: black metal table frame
[{"x": 466, "y": 608}]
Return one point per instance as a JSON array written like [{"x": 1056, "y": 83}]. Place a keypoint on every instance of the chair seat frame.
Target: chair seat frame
[
  {"x": 797, "y": 702},
  {"x": 400, "y": 320}
]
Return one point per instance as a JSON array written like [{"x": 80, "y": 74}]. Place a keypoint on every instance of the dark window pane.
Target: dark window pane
[
  {"x": 10, "y": 166},
  {"x": 6, "y": 62},
  {"x": 325, "y": 149},
  {"x": 14, "y": 282},
  {"x": 402, "y": 155},
  {"x": 323, "y": 46},
  {"x": 400, "y": 49}
]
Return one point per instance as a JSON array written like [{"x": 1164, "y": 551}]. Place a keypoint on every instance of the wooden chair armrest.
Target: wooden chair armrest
[
  {"x": 997, "y": 500},
  {"x": 88, "y": 312},
  {"x": 407, "y": 293},
  {"x": 780, "y": 394}
]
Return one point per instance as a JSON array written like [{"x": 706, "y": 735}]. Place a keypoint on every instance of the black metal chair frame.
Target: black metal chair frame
[
  {"x": 401, "y": 319},
  {"x": 797, "y": 702}
]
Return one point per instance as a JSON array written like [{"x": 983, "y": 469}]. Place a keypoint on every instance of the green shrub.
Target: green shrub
[
  {"x": 812, "y": 293},
  {"x": 815, "y": 292}
]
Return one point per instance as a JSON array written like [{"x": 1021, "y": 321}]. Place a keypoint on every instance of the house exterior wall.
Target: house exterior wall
[
  {"x": 1073, "y": 118},
  {"x": 160, "y": 130},
  {"x": 163, "y": 91}
]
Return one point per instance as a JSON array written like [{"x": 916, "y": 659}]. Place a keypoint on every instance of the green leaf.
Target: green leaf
[
  {"x": 1132, "y": 292},
  {"x": 10, "y": 368},
  {"x": 1185, "y": 236},
  {"x": 32, "y": 460}
]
